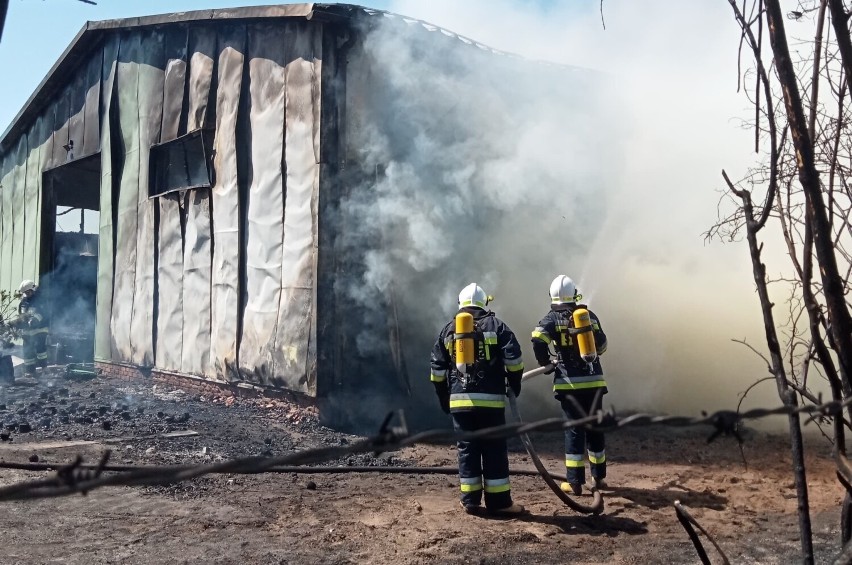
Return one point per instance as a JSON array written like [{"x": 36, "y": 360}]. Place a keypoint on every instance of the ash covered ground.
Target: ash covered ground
[
  {"x": 145, "y": 423},
  {"x": 347, "y": 518}
]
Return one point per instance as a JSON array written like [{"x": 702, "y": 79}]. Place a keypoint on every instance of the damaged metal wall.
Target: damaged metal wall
[
  {"x": 210, "y": 321},
  {"x": 225, "y": 299},
  {"x": 72, "y": 117},
  {"x": 126, "y": 116},
  {"x": 296, "y": 330},
  {"x": 197, "y": 241},
  {"x": 217, "y": 282},
  {"x": 109, "y": 178},
  {"x": 265, "y": 213},
  {"x": 280, "y": 233},
  {"x": 170, "y": 232},
  {"x": 150, "y": 111},
  {"x": 213, "y": 282}
]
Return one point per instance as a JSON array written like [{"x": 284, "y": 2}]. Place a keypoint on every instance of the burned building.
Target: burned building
[{"x": 231, "y": 159}]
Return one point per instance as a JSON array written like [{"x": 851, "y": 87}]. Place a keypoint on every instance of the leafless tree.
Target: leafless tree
[{"x": 800, "y": 187}]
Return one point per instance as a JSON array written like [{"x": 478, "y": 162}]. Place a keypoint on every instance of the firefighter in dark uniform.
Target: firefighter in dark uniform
[
  {"x": 574, "y": 378},
  {"x": 475, "y": 396},
  {"x": 32, "y": 322}
]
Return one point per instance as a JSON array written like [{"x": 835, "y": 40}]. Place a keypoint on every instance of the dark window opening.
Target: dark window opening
[{"x": 182, "y": 163}]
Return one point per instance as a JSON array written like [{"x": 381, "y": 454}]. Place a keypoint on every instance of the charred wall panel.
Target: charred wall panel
[
  {"x": 226, "y": 207},
  {"x": 4, "y": 181},
  {"x": 44, "y": 128},
  {"x": 6, "y": 217},
  {"x": 91, "y": 113},
  {"x": 302, "y": 44},
  {"x": 265, "y": 214},
  {"x": 32, "y": 198},
  {"x": 19, "y": 207},
  {"x": 106, "y": 231},
  {"x": 325, "y": 328},
  {"x": 169, "y": 349},
  {"x": 59, "y": 154},
  {"x": 197, "y": 244},
  {"x": 127, "y": 88},
  {"x": 150, "y": 100},
  {"x": 76, "y": 115}
]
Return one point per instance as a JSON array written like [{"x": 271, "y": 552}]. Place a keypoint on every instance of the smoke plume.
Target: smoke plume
[{"x": 483, "y": 167}]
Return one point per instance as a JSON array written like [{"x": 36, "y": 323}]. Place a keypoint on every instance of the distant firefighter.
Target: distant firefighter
[
  {"x": 32, "y": 321},
  {"x": 577, "y": 376},
  {"x": 472, "y": 360}
]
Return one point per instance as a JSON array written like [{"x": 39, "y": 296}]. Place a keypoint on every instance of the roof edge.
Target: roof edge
[{"x": 92, "y": 32}]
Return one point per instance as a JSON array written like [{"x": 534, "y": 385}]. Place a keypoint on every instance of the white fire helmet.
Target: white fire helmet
[
  {"x": 26, "y": 285},
  {"x": 473, "y": 295},
  {"x": 563, "y": 290}
]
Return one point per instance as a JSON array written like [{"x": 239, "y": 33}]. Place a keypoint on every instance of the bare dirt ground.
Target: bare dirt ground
[{"x": 378, "y": 518}]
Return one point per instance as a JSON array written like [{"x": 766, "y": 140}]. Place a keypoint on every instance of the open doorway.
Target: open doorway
[{"x": 69, "y": 257}]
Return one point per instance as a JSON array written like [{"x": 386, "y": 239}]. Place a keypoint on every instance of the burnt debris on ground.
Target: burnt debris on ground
[{"x": 50, "y": 418}]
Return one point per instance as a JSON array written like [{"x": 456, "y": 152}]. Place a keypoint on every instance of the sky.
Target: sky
[
  {"x": 674, "y": 67},
  {"x": 56, "y": 22}
]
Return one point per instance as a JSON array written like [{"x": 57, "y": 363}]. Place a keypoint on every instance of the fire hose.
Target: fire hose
[{"x": 597, "y": 500}]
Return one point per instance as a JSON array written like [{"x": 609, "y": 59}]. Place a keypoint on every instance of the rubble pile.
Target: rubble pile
[{"x": 147, "y": 423}]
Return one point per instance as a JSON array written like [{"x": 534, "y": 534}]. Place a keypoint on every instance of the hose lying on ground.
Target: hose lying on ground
[
  {"x": 304, "y": 470},
  {"x": 550, "y": 478}
]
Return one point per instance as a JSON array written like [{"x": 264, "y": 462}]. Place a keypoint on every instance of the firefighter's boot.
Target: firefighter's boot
[
  {"x": 513, "y": 510},
  {"x": 573, "y": 488},
  {"x": 472, "y": 509}
]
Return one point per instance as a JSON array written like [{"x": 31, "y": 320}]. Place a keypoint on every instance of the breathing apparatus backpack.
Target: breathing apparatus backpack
[
  {"x": 576, "y": 327},
  {"x": 468, "y": 349}
]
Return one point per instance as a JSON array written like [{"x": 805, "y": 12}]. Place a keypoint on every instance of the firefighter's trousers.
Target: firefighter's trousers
[
  {"x": 578, "y": 440},
  {"x": 35, "y": 348},
  {"x": 483, "y": 464}
]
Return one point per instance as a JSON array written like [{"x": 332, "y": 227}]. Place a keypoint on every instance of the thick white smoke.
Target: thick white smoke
[{"x": 507, "y": 173}]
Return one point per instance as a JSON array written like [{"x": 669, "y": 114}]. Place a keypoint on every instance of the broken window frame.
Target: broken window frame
[{"x": 158, "y": 178}]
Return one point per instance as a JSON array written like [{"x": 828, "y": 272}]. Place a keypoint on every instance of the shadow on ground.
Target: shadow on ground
[{"x": 604, "y": 525}]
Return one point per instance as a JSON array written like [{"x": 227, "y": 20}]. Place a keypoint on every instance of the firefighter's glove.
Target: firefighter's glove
[
  {"x": 514, "y": 384},
  {"x": 545, "y": 362},
  {"x": 443, "y": 398}
]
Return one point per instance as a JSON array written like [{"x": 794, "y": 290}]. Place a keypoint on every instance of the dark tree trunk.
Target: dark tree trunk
[
  {"x": 784, "y": 392},
  {"x": 840, "y": 321}
]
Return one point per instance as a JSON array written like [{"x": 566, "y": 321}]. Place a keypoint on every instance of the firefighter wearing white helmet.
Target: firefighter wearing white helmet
[
  {"x": 578, "y": 381},
  {"x": 32, "y": 321},
  {"x": 27, "y": 287},
  {"x": 473, "y": 359}
]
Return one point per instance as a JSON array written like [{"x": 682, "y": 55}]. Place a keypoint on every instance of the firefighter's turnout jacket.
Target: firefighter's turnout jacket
[
  {"x": 498, "y": 359},
  {"x": 572, "y": 373},
  {"x": 477, "y": 399},
  {"x": 576, "y": 379}
]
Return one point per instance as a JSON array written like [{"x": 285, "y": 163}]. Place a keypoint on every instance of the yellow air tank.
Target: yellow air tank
[
  {"x": 585, "y": 340},
  {"x": 465, "y": 354}
]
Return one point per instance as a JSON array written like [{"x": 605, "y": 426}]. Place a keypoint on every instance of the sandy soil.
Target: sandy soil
[{"x": 379, "y": 517}]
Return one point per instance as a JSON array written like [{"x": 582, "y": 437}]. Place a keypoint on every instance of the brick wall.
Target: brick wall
[{"x": 196, "y": 384}]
